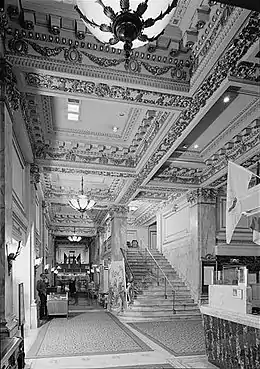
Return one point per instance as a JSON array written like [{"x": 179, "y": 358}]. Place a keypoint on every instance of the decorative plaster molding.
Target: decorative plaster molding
[
  {"x": 212, "y": 52},
  {"x": 35, "y": 173},
  {"x": 94, "y": 73},
  {"x": 202, "y": 195},
  {"x": 8, "y": 78},
  {"x": 103, "y": 90},
  {"x": 118, "y": 211},
  {"x": 209, "y": 34},
  {"x": 63, "y": 169},
  {"x": 234, "y": 125},
  {"x": 237, "y": 48}
]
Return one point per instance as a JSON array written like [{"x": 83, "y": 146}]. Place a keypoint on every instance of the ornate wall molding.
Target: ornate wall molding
[{"x": 202, "y": 195}]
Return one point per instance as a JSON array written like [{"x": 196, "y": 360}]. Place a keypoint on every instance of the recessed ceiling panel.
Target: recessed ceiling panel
[{"x": 96, "y": 119}]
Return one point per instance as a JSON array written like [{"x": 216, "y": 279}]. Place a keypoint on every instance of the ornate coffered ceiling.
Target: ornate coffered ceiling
[{"x": 173, "y": 131}]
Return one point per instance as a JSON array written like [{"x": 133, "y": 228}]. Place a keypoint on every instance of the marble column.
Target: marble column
[
  {"x": 118, "y": 231},
  {"x": 202, "y": 226},
  {"x": 117, "y": 281},
  {"x": 32, "y": 218},
  {"x": 8, "y": 323}
]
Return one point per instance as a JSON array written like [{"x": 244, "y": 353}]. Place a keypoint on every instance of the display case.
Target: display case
[{"x": 58, "y": 304}]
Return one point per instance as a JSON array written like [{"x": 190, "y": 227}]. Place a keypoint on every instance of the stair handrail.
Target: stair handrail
[
  {"x": 165, "y": 276},
  {"x": 130, "y": 290},
  {"x": 165, "y": 279},
  {"x": 127, "y": 264}
]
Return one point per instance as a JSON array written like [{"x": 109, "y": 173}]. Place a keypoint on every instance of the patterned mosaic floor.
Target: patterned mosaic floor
[
  {"x": 150, "y": 366},
  {"x": 179, "y": 337},
  {"x": 91, "y": 333},
  {"x": 84, "y": 304}
]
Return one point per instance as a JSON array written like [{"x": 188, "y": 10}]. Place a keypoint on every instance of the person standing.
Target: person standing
[
  {"x": 42, "y": 292},
  {"x": 73, "y": 292}
]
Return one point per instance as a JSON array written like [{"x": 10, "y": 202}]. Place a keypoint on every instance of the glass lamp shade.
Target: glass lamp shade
[
  {"x": 74, "y": 238},
  {"x": 81, "y": 203},
  {"x": 119, "y": 25}
]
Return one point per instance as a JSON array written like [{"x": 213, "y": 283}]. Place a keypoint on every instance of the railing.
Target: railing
[
  {"x": 130, "y": 280},
  {"x": 156, "y": 272}
]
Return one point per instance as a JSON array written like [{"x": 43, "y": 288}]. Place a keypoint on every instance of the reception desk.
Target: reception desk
[{"x": 232, "y": 339}]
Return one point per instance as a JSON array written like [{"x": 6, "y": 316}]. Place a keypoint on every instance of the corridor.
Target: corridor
[{"x": 98, "y": 339}]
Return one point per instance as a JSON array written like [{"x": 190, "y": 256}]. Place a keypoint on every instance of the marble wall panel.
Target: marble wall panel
[{"x": 230, "y": 345}]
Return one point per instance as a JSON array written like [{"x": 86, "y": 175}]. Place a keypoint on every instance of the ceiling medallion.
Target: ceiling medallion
[
  {"x": 81, "y": 203},
  {"x": 126, "y": 24}
]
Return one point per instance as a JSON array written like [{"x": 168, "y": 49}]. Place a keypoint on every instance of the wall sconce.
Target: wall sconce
[{"x": 13, "y": 251}]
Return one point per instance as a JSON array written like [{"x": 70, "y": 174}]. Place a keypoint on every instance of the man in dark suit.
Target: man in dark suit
[{"x": 42, "y": 292}]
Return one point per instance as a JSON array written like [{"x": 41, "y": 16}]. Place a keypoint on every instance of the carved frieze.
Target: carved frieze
[
  {"x": 103, "y": 90},
  {"x": 202, "y": 195},
  {"x": 247, "y": 71}
]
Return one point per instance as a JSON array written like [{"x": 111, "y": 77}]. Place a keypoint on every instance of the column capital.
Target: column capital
[
  {"x": 118, "y": 211},
  {"x": 202, "y": 195}
]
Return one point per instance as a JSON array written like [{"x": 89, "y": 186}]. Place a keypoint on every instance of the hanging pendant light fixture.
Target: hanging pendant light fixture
[
  {"x": 126, "y": 24},
  {"x": 81, "y": 203},
  {"x": 74, "y": 238}
]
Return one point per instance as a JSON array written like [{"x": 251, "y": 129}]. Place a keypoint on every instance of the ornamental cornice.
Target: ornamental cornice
[
  {"x": 60, "y": 231},
  {"x": 210, "y": 55},
  {"x": 202, "y": 195},
  {"x": 74, "y": 44},
  {"x": 235, "y": 51},
  {"x": 249, "y": 162},
  {"x": 246, "y": 140},
  {"x": 102, "y": 172},
  {"x": 239, "y": 122},
  {"x": 97, "y": 73},
  {"x": 219, "y": 16},
  {"x": 105, "y": 91}
]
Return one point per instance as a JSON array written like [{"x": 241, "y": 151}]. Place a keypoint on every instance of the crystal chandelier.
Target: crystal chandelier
[
  {"x": 126, "y": 24},
  {"x": 81, "y": 203},
  {"x": 74, "y": 238}
]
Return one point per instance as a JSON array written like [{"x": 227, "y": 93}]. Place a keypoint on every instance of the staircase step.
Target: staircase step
[
  {"x": 170, "y": 313},
  {"x": 159, "y": 318},
  {"x": 164, "y": 308},
  {"x": 143, "y": 300},
  {"x": 150, "y": 302}
]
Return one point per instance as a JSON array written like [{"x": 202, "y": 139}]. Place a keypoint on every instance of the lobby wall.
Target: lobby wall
[
  {"x": 175, "y": 225},
  {"x": 138, "y": 233}
]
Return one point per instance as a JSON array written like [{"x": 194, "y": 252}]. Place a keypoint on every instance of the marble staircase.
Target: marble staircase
[{"x": 153, "y": 301}]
